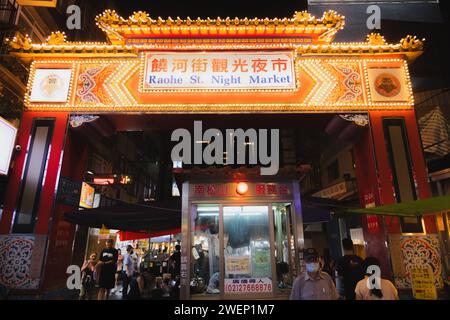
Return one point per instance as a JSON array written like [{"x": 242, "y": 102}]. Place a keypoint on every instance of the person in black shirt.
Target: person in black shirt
[
  {"x": 107, "y": 271},
  {"x": 175, "y": 260},
  {"x": 349, "y": 270}
]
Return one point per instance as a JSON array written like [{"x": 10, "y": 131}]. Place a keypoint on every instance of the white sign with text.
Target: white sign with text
[
  {"x": 219, "y": 71},
  {"x": 7, "y": 141}
]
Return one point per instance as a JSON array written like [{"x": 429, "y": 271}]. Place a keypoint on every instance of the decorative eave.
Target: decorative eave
[
  {"x": 141, "y": 25},
  {"x": 57, "y": 47}
]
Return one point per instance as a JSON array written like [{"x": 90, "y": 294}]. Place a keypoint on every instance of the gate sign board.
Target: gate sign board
[{"x": 219, "y": 71}]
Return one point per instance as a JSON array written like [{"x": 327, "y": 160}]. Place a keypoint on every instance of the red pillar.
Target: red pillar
[
  {"x": 419, "y": 167},
  {"x": 31, "y": 247},
  {"x": 374, "y": 177},
  {"x": 418, "y": 163},
  {"x": 370, "y": 191},
  {"x": 62, "y": 235}
]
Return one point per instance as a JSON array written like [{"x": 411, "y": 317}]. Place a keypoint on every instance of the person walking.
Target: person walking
[
  {"x": 175, "y": 261},
  {"x": 107, "y": 270},
  {"x": 349, "y": 270},
  {"x": 327, "y": 262},
  {"x": 128, "y": 270},
  {"x": 313, "y": 284},
  {"x": 373, "y": 287},
  {"x": 119, "y": 272},
  {"x": 88, "y": 277}
]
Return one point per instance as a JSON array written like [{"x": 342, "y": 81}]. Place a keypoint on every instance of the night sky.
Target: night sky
[{"x": 211, "y": 8}]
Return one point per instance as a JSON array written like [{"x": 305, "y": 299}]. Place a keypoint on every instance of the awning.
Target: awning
[
  {"x": 410, "y": 208},
  {"x": 129, "y": 235},
  {"x": 155, "y": 218}
]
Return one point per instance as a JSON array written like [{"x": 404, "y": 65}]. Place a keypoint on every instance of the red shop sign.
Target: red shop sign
[{"x": 372, "y": 224}]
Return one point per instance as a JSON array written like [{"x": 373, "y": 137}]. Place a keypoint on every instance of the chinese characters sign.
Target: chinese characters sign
[
  {"x": 228, "y": 190},
  {"x": 219, "y": 71},
  {"x": 248, "y": 285},
  {"x": 422, "y": 279},
  {"x": 372, "y": 224}
]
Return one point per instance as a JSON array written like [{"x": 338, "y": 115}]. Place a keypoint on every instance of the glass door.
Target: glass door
[
  {"x": 205, "y": 250},
  {"x": 284, "y": 244},
  {"x": 248, "y": 254}
]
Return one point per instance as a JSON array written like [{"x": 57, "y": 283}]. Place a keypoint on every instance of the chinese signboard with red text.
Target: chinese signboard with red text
[{"x": 229, "y": 190}]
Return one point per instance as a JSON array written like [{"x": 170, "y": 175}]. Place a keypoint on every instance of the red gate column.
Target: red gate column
[
  {"x": 62, "y": 246},
  {"x": 419, "y": 167},
  {"x": 394, "y": 185},
  {"x": 30, "y": 198},
  {"x": 386, "y": 175},
  {"x": 372, "y": 190}
]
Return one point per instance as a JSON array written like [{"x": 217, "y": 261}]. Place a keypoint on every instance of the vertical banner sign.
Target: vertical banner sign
[
  {"x": 369, "y": 200},
  {"x": 372, "y": 224},
  {"x": 219, "y": 71}
]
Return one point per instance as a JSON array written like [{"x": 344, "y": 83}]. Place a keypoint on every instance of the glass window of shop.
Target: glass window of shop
[
  {"x": 247, "y": 245},
  {"x": 284, "y": 248},
  {"x": 205, "y": 250},
  {"x": 242, "y": 250}
]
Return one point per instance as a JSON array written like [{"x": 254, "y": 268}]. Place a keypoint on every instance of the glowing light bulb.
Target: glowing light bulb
[{"x": 242, "y": 188}]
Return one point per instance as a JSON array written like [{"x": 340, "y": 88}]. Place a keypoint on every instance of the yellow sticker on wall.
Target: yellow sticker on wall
[{"x": 422, "y": 280}]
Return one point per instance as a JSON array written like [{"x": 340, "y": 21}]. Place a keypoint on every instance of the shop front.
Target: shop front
[
  {"x": 241, "y": 239},
  {"x": 241, "y": 236}
]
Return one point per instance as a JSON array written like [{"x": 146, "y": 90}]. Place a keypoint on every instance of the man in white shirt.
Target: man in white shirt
[
  {"x": 129, "y": 270},
  {"x": 313, "y": 284}
]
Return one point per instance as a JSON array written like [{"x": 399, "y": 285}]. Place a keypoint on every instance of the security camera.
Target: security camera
[{"x": 18, "y": 147}]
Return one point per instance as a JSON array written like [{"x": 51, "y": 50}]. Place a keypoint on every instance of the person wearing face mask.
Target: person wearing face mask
[{"x": 313, "y": 284}]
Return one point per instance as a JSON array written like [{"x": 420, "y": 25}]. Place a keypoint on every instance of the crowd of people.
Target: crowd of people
[
  {"x": 106, "y": 272},
  {"x": 351, "y": 278}
]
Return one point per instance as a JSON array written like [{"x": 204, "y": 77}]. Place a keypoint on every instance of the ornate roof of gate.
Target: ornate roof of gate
[
  {"x": 141, "y": 25},
  {"x": 303, "y": 33}
]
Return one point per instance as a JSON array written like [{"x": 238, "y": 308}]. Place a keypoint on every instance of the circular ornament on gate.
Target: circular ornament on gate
[
  {"x": 51, "y": 84},
  {"x": 387, "y": 85}
]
